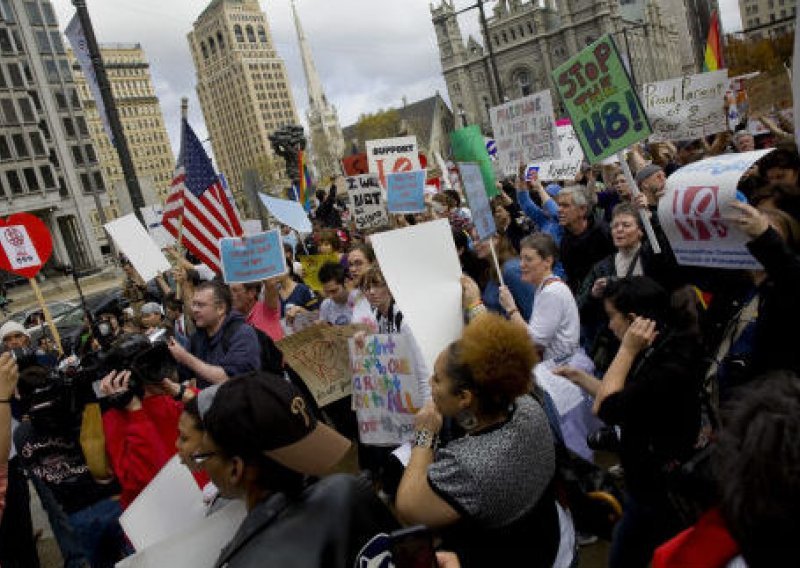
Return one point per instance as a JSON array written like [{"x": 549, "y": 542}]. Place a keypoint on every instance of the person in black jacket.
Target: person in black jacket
[{"x": 261, "y": 442}]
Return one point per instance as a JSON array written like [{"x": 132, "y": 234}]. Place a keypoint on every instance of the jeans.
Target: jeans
[
  {"x": 644, "y": 526},
  {"x": 98, "y": 530}
]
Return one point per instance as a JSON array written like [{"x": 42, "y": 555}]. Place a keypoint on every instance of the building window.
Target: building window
[
  {"x": 33, "y": 13},
  {"x": 82, "y": 127},
  {"x": 91, "y": 157},
  {"x": 86, "y": 183},
  {"x": 19, "y": 146},
  {"x": 505, "y": 37},
  {"x": 98, "y": 181},
  {"x": 9, "y": 112},
  {"x": 203, "y": 50},
  {"x": 49, "y": 14},
  {"x": 251, "y": 36},
  {"x": 5, "y": 150},
  {"x": 61, "y": 100},
  {"x": 69, "y": 127},
  {"x": 51, "y": 69},
  {"x": 77, "y": 156},
  {"x": 212, "y": 47},
  {"x": 7, "y": 12},
  {"x": 26, "y": 110},
  {"x": 15, "y": 183},
  {"x": 522, "y": 79},
  {"x": 37, "y": 145},
  {"x": 43, "y": 42},
  {"x": 237, "y": 31},
  {"x": 55, "y": 39},
  {"x": 6, "y": 45},
  {"x": 15, "y": 75},
  {"x": 31, "y": 179},
  {"x": 262, "y": 34},
  {"x": 47, "y": 176},
  {"x": 220, "y": 41}
]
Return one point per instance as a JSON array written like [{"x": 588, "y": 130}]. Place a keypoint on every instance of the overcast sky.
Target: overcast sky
[{"x": 369, "y": 53}]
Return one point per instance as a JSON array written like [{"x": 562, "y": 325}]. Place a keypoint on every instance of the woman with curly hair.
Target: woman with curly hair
[{"x": 490, "y": 492}]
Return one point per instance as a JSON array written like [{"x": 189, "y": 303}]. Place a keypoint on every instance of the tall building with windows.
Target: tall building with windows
[
  {"x": 48, "y": 163},
  {"x": 140, "y": 113},
  {"x": 242, "y": 85},
  {"x": 531, "y": 38},
  {"x": 757, "y": 13}
]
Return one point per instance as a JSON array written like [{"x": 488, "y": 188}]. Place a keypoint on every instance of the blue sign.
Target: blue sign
[
  {"x": 491, "y": 147},
  {"x": 482, "y": 217},
  {"x": 252, "y": 258},
  {"x": 406, "y": 192}
]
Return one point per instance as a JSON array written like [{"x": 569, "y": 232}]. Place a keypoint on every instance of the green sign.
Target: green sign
[
  {"x": 604, "y": 107},
  {"x": 469, "y": 146}
]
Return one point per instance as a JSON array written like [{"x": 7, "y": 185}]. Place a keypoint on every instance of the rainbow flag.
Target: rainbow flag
[
  {"x": 305, "y": 189},
  {"x": 713, "y": 59}
]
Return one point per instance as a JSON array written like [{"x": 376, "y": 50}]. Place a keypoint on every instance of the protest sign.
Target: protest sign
[
  {"x": 252, "y": 227},
  {"x": 25, "y": 244},
  {"x": 151, "y": 215},
  {"x": 421, "y": 267},
  {"x": 405, "y": 192},
  {"x": 171, "y": 503},
  {"x": 288, "y": 212},
  {"x": 769, "y": 91},
  {"x": 694, "y": 208},
  {"x": 366, "y": 202},
  {"x": 568, "y": 165},
  {"x": 478, "y": 201},
  {"x": 311, "y": 265},
  {"x": 385, "y": 390},
  {"x": 355, "y": 165},
  {"x": 469, "y": 146},
  {"x": 599, "y": 98},
  {"x": 319, "y": 354},
  {"x": 252, "y": 258},
  {"x": 688, "y": 107},
  {"x": 525, "y": 131},
  {"x": 392, "y": 155},
  {"x": 134, "y": 242}
]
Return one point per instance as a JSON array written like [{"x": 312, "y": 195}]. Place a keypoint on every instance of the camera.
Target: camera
[{"x": 605, "y": 439}]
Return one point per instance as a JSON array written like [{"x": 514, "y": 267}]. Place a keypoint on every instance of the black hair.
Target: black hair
[
  {"x": 785, "y": 159},
  {"x": 757, "y": 462},
  {"x": 219, "y": 291},
  {"x": 192, "y": 410},
  {"x": 454, "y": 197},
  {"x": 639, "y": 295},
  {"x": 331, "y": 271}
]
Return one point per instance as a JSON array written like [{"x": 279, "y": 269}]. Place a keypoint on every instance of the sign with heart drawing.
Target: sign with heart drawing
[{"x": 25, "y": 244}]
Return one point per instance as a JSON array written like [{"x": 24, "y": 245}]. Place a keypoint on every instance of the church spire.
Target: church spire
[{"x": 316, "y": 96}]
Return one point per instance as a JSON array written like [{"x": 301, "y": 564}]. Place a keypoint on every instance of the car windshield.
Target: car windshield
[{"x": 72, "y": 317}]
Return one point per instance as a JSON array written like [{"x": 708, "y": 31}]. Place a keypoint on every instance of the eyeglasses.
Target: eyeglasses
[{"x": 200, "y": 458}]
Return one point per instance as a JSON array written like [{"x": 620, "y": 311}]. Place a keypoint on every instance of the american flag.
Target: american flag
[{"x": 198, "y": 195}]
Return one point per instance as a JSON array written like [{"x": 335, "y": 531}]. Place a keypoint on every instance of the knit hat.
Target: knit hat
[
  {"x": 12, "y": 327},
  {"x": 646, "y": 172}
]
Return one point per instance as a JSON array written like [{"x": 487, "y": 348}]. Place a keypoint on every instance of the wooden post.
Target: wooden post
[
  {"x": 648, "y": 227},
  {"x": 48, "y": 318}
]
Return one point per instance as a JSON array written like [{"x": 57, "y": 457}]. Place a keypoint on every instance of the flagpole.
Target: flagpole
[{"x": 184, "y": 115}]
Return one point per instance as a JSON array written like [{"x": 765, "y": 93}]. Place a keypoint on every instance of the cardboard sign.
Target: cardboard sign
[
  {"x": 525, "y": 131},
  {"x": 366, "y": 202},
  {"x": 319, "y": 354},
  {"x": 478, "y": 201},
  {"x": 135, "y": 243},
  {"x": 599, "y": 98},
  {"x": 694, "y": 209},
  {"x": 311, "y": 265},
  {"x": 25, "y": 244},
  {"x": 687, "y": 107},
  {"x": 769, "y": 91},
  {"x": 392, "y": 155},
  {"x": 252, "y": 258},
  {"x": 355, "y": 165},
  {"x": 469, "y": 146},
  {"x": 406, "y": 192},
  {"x": 421, "y": 267},
  {"x": 385, "y": 391},
  {"x": 568, "y": 166}
]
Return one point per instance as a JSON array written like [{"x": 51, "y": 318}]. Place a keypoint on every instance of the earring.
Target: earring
[{"x": 467, "y": 419}]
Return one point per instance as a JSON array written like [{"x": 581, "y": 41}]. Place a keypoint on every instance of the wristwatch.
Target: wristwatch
[{"x": 425, "y": 438}]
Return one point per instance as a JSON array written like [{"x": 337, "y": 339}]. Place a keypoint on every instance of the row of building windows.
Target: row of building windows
[
  {"x": 40, "y": 18},
  {"x": 27, "y": 180},
  {"x": 209, "y": 45},
  {"x": 510, "y": 34},
  {"x": 21, "y": 146}
]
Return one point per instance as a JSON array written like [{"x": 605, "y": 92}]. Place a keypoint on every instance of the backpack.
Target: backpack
[{"x": 271, "y": 357}]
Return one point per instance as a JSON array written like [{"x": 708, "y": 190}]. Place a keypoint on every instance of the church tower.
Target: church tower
[{"x": 327, "y": 143}]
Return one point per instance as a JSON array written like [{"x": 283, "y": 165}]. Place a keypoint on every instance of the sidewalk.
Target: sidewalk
[{"x": 63, "y": 288}]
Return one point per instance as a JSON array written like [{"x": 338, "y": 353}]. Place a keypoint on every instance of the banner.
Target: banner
[
  {"x": 468, "y": 146},
  {"x": 478, "y": 201},
  {"x": 385, "y": 391},
  {"x": 405, "y": 192},
  {"x": 319, "y": 354},
  {"x": 770, "y": 91},
  {"x": 366, "y": 202},
  {"x": 311, "y": 265},
  {"x": 252, "y": 258},
  {"x": 568, "y": 166},
  {"x": 688, "y": 107},
  {"x": 134, "y": 242},
  {"x": 392, "y": 155},
  {"x": 525, "y": 131},
  {"x": 694, "y": 208},
  {"x": 599, "y": 98},
  {"x": 288, "y": 212},
  {"x": 421, "y": 267}
]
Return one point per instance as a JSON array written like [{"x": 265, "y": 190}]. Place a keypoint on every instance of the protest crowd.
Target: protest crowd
[{"x": 595, "y": 378}]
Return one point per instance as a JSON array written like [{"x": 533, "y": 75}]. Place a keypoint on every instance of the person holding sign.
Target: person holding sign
[{"x": 489, "y": 493}]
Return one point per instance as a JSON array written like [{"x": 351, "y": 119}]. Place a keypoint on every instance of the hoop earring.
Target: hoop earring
[{"x": 467, "y": 420}]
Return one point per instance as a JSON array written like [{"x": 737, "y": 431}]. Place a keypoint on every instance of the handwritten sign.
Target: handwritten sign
[
  {"x": 687, "y": 107},
  {"x": 694, "y": 209},
  {"x": 385, "y": 391},
  {"x": 252, "y": 258},
  {"x": 478, "y": 200},
  {"x": 406, "y": 192},
  {"x": 525, "y": 131},
  {"x": 366, "y": 202},
  {"x": 568, "y": 165},
  {"x": 392, "y": 155},
  {"x": 319, "y": 354},
  {"x": 311, "y": 265},
  {"x": 599, "y": 98}
]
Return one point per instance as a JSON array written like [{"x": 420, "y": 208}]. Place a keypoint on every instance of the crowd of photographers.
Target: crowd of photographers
[{"x": 493, "y": 468}]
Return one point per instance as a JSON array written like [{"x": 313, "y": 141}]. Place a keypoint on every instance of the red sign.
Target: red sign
[
  {"x": 697, "y": 213},
  {"x": 355, "y": 165},
  {"x": 25, "y": 244}
]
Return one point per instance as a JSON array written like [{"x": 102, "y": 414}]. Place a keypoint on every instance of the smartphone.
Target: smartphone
[
  {"x": 412, "y": 548},
  {"x": 532, "y": 173}
]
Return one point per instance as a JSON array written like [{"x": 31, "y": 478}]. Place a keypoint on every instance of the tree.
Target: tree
[{"x": 382, "y": 124}]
